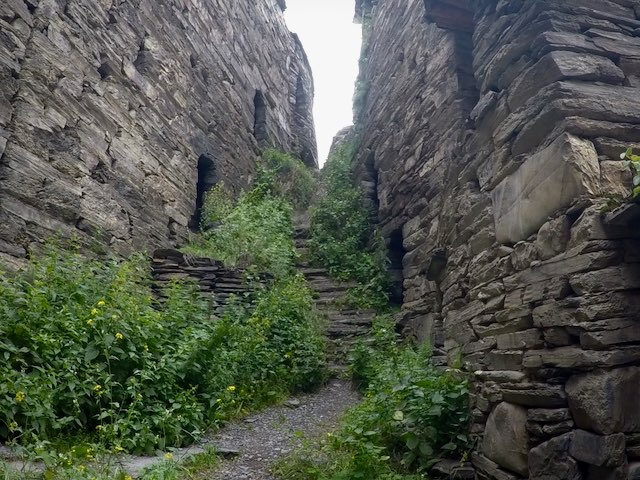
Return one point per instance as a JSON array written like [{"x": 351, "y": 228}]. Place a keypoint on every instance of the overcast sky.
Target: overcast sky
[{"x": 332, "y": 42}]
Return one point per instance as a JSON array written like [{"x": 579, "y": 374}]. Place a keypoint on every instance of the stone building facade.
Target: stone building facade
[
  {"x": 490, "y": 134},
  {"x": 116, "y": 115}
]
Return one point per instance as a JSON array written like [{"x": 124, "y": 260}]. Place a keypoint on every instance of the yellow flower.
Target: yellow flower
[
  {"x": 128, "y": 477},
  {"x": 90, "y": 322},
  {"x": 20, "y": 396},
  {"x": 13, "y": 426},
  {"x": 101, "y": 303},
  {"x": 118, "y": 449},
  {"x": 168, "y": 456},
  {"x": 97, "y": 388},
  {"x": 231, "y": 388},
  {"x": 119, "y": 336},
  {"x": 94, "y": 311}
]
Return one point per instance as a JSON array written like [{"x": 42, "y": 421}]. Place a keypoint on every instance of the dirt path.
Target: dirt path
[{"x": 269, "y": 435}]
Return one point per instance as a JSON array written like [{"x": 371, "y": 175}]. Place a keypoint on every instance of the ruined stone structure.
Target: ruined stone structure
[
  {"x": 490, "y": 135},
  {"x": 115, "y": 116}
]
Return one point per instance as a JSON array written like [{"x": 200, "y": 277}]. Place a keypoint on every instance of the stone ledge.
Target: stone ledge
[{"x": 625, "y": 216}]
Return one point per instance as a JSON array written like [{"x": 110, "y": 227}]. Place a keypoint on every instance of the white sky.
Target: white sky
[{"x": 332, "y": 42}]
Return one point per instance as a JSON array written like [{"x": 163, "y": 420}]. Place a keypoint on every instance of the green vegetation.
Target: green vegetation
[
  {"x": 86, "y": 349},
  {"x": 256, "y": 231},
  {"x": 90, "y": 356},
  {"x": 412, "y": 416},
  {"x": 634, "y": 163},
  {"x": 342, "y": 237}
]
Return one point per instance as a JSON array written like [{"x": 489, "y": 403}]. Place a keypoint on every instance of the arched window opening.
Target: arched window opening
[
  {"x": 206, "y": 180},
  {"x": 396, "y": 254},
  {"x": 260, "y": 118}
]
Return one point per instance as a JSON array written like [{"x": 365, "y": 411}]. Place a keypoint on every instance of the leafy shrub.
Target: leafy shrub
[
  {"x": 342, "y": 237},
  {"x": 85, "y": 348},
  {"x": 634, "y": 163},
  {"x": 218, "y": 205},
  {"x": 256, "y": 233},
  {"x": 261, "y": 355},
  {"x": 285, "y": 176},
  {"x": 412, "y": 416}
]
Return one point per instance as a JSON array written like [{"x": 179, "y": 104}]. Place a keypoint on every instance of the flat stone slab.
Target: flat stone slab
[{"x": 545, "y": 183}]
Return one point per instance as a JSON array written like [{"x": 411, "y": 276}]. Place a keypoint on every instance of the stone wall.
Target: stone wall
[
  {"x": 214, "y": 280},
  {"x": 109, "y": 109},
  {"x": 492, "y": 133}
]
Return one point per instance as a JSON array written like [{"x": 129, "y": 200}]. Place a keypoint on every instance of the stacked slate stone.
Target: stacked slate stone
[
  {"x": 106, "y": 107},
  {"x": 495, "y": 129},
  {"x": 214, "y": 279}
]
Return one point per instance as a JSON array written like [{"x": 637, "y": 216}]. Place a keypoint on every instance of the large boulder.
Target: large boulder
[
  {"x": 551, "y": 460},
  {"x": 506, "y": 440},
  {"x": 606, "y": 402},
  {"x": 545, "y": 183}
]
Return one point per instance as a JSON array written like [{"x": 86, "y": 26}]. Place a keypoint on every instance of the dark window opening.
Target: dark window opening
[
  {"x": 302, "y": 99},
  {"x": 396, "y": 254},
  {"x": 260, "y": 118},
  {"x": 206, "y": 180}
]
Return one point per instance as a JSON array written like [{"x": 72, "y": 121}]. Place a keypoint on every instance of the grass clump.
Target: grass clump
[
  {"x": 412, "y": 416},
  {"x": 343, "y": 240}
]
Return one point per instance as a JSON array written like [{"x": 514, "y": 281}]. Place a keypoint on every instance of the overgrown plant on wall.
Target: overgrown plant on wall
[
  {"x": 343, "y": 239},
  {"x": 256, "y": 230},
  {"x": 634, "y": 164}
]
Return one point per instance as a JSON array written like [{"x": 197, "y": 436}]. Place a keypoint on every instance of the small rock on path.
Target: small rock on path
[{"x": 264, "y": 437}]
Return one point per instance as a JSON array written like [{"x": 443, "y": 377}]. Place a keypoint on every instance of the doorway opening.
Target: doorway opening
[
  {"x": 207, "y": 178},
  {"x": 396, "y": 254}
]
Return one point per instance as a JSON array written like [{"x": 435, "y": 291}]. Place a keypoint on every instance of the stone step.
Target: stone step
[
  {"x": 314, "y": 271},
  {"x": 351, "y": 320},
  {"x": 346, "y": 331}
]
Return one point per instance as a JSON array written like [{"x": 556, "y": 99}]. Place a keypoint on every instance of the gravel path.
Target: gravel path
[{"x": 266, "y": 436}]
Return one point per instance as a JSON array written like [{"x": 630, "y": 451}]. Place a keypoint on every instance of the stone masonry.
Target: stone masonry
[
  {"x": 490, "y": 135},
  {"x": 116, "y": 115}
]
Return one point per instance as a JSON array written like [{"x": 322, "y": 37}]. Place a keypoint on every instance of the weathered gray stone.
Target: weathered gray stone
[
  {"x": 551, "y": 460},
  {"x": 624, "y": 277},
  {"x": 576, "y": 358},
  {"x": 520, "y": 340},
  {"x": 535, "y": 395},
  {"x": 615, "y": 179},
  {"x": 553, "y": 237},
  {"x": 602, "y": 451},
  {"x": 558, "y": 65},
  {"x": 606, "y": 401},
  {"x": 546, "y": 182},
  {"x": 506, "y": 441},
  {"x": 546, "y": 415},
  {"x": 557, "y": 337},
  {"x": 488, "y": 470}
]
